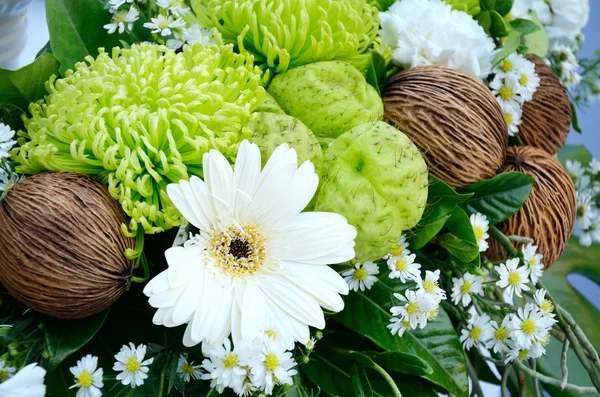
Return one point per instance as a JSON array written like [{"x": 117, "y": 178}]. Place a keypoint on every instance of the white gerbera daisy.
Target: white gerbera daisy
[
  {"x": 6, "y": 141},
  {"x": 534, "y": 261},
  {"x": 505, "y": 89},
  {"x": 528, "y": 326},
  {"x": 28, "y": 382},
  {"x": 88, "y": 377},
  {"x": 187, "y": 370},
  {"x": 464, "y": 287},
  {"x": 122, "y": 20},
  {"x": 404, "y": 268},
  {"x": 544, "y": 305},
  {"x": 513, "y": 278},
  {"x": 476, "y": 331},
  {"x": 431, "y": 286},
  {"x": 497, "y": 336},
  {"x": 164, "y": 25},
  {"x": 175, "y": 7},
  {"x": 274, "y": 365},
  {"x": 5, "y": 371},
  {"x": 131, "y": 365},
  {"x": 256, "y": 255},
  {"x": 361, "y": 276},
  {"x": 225, "y": 366},
  {"x": 480, "y": 226},
  {"x": 415, "y": 309},
  {"x": 513, "y": 113}
]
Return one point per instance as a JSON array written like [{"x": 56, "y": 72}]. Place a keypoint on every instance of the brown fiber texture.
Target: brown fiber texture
[
  {"x": 546, "y": 118},
  {"x": 453, "y": 118},
  {"x": 62, "y": 251},
  {"x": 548, "y": 215}
]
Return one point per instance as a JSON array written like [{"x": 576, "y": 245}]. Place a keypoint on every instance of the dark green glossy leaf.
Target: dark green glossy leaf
[
  {"x": 510, "y": 45},
  {"x": 368, "y": 313},
  {"x": 401, "y": 362},
  {"x": 500, "y": 197},
  {"x": 427, "y": 232},
  {"x": 524, "y": 26},
  {"x": 488, "y": 5},
  {"x": 460, "y": 226},
  {"x": 329, "y": 374},
  {"x": 498, "y": 26},
  {"x": 574, "y": 118},
  {"x": 21, "y": 87},
  {"x": 65, "y": 337},
  {"x": 484, "y": 20},
  {"x": 360, "y": 382},
  {"x": 503, "y": 7},
  {"x": 11, "y": 116},
  {"x": 463, "y": 250}
]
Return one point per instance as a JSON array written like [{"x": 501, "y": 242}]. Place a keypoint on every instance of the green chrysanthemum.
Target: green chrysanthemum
[
  {"x": 142, "y": 119},
  {"x": 283, "y": 34}
]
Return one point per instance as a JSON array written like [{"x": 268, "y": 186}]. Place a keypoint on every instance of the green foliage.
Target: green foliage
[
  {"x": 503, "y": 7},
  {"x": 510, "y": 45},
  {"x": 471, "y": 7},
  {"x": 537, "y": 42},
  {"x": 574, "y": 152},
  {"x": 524, "y": 26}
]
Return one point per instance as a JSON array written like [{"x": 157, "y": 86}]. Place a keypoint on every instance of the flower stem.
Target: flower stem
[
  {"x": 554, "y": 382},
  {"x": 388, "y": 379},
  {"x": 536, "y": 383},
  {"x": 503, "y": 386},
  {"x": 563, "y": 365},
  {"x": 475, "y": 379},
  {"x": 502, "y": 239},
  {"x": 162, "y": 381}
]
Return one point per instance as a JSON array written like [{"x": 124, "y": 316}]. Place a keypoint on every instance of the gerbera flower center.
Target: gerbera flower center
[
  {"x": 509, "y": 119},
  {"x": 3, "y": 375},
  {"x": 397, "y": 251},
  {"x": 514, "y": 278},
  {"x": 506, "y": 92},
  {"x": 466, "y": 287},
  {"x": 359, "y": 274},
  {"x": 475, "y": 333},
  {"x": 133, "y": 364},
  {"x": 429, "y": 286},
  {"x": 85, "y": 379},
  {"x": 187, "y": 369},
  {"x": 239, "y": 250},
  {"x": 271, "y": 361},
  {"x": 528, "y": 327},
  {"x": 501, "y": 334},
  {"x": 401, "y": 265},
  {"x": 230, "y": 361},
  {"x": 506, "y": 66},
  {"x": 412, "y": 308},
  {"x": 523, "y": 80}
]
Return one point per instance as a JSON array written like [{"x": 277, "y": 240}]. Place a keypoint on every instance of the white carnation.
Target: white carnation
[
  {"x": 569, "y": 17},
  {"x": 430, "y": 32}
]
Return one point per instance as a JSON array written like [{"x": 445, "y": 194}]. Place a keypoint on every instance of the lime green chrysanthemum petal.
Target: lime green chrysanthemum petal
[
  {"x": 142, "y": 119},
  {"x": 287, "y": 33}
]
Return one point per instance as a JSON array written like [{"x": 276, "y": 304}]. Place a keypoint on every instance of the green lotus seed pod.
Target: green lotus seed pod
[
  {"x": 377, "y": 178},
  {"x": 270, "y": 105},
  {"x": 271, "y": 130},
  {"x": 329, "y": 97}
]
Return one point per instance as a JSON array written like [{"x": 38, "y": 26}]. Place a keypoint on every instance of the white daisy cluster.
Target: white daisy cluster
[
  {"x": 430, "y": 32},
  {"x": 587, "y": 184},
  {"x": 257, "y": 365},
  {"x": 563, "y": 61},
  {"x": 420, "y": 304},
  {"x": 514, "y": 83},
  {"x": 166, "y": 22},
  {"x": 521, "y": 334},
  {"x": 480, "y": 226},
  {"x": 7, "y": 177}
]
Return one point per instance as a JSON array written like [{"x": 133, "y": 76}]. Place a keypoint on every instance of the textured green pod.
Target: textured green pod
[
  {"x": 377, "y": 178},
  {"x": 271, "y": 130},
  {"x": 270, "y": 105},
  {"x": 329, "y": 97}
]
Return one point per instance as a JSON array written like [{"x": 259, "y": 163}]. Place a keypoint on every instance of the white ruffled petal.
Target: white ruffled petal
[{"x": 218, "y": 176}]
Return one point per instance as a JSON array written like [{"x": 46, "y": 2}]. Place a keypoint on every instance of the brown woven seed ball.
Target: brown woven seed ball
[
  {"x": 547, "y": 117},
  {"x": 548, "y": 215},
  {"x": 453, "y": 118},
  {"x": 61, "y": 246}
]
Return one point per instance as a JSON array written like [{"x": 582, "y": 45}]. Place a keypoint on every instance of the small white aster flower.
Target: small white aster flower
[
  {"x": 7, "y": 180},
  {"x": 510, "y": 66},
  {"x": 513, "y": 278},
  {"x": 592, "y": 233},
  {"x": 534, "y": 261},
  {"x": 28, "y": 382},
  {"x": 399, "y": 326},
  {"x": 404, "y": 268},
  {"x": 6, "y": 141},
  {"x": 362, "y": 276},
  {"x": 122, "y": 20},
  {"x": 576, "y": 170},
  {"x": 115, "y": 4},
  {"x": 274, "y": 365},
  {"x": 416, "y": 307},
  {"x": 476, "y": 331},
  {"x": 544, "y": 305},
  {"x": 528, "y": 326},
  {"x": 88, "y": 377},
  {"x": 505, "y": 89},
  {"x": 131, "y": 365},
  {"x": 513, "y": 113},
  {"x": 430, "y": 285},
  {"x": 497, "y": 335},
  {"x": 310, "y": 345},
  {"x": 164, "y": 25},
  {"x": 187, "y": 370},
  {"x": 516, "y": 352},
  {"x": 594, "y": 167},
  {"x": 480, "y": 226},
  {"x": 5, "y": 371},
  {"x": 176, "y": 7},
  {"x": 585, "y": 209},
  {"x": 464, "y": 287},
  {"x": 401, "y": 248},
  {"x": 225, "y": 365},
  {"x": 528, "y": 80}
]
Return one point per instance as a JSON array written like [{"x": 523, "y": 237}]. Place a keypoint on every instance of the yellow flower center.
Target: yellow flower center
[
  {"x": 514, "y": 278},
  {"x": 359, "y": 274},
  {"x": 406, "y": 324},
  {"x": 271, "y": 362},
  {"x": 239, "y": 251},
  {"x": 545, "y": 340},
  {"x": 528, "y": 327},
  {"x": 429, "y": 286},
  {"x": 187, "y": 369},
  {"x": 433, "y": 313},
  {"x": 523, "y": 354},
  {"x": 3, "y": 375},
  {"x": 475, "y": 333},
  {"x": 397, "y": 251},
  {"x": 230, "y": 361},
  {"x": 523, "y": 80},
  {"x": 501, "y": 334},
  {"x": 508, "y": 117},
  {"x": 271, "y": 333},
  {"x": 412, "y": 308},
  {"x": 85, "y": 379},
  {"x": 120, "y": 16},
  {"x": 478, "y": 232},
  {"x": 401, "y": 265},
  {"x": 506, "y": 66},
  {"x": 466, "y": 287},
  {"x": 133, "y": 364},
  {"x": 164, "y": 23},
  {"x": 509, "y": 17},
  {"x": 506, "y": 92},
  {"x": 546, "y": 306}
]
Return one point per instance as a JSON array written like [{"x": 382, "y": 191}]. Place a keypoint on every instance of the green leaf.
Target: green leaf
[
  {"x": 173, "y": 364},
  {"x": 537, "y": 42},
  {"x": 11, "y": 116},
  {"x": 484, "y": 20},
  {"x": 488, "y": 5},
  {"x": 460, "y": 225},
  {"x": 463, "y": 250},
  {"x": 510, "y": 45},
  {"x": 499, "y": 27},
  {"x": 360, "y": 382},
  {"x": 575, "y": 153},
  {"x": 65, "y": 337},
  {"x": 503, "y": 7},
  {"x": 76, "y": 30},
  {"x": 525, "y": 26},
  {"x": 329, "y": 374},
  {"x": 574, "y": 118},
  {"x": 500, "y": 197},
  {"x": 401, "y": 362},
  {"x": 368, "y": 313},
  {"x": 21, "y": 87},
  {"x": 427, "y": 232}
]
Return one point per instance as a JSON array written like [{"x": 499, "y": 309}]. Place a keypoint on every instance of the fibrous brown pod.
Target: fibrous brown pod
[
  {"x": 547, "y": 117},
  {"x": 62, "y": 251},
  {"x": 453, "y": 118},
  {"x": 548, "y": 215}
]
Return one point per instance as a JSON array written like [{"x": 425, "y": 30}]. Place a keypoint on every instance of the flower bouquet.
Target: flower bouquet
[{"x": 299, "y": 198}]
